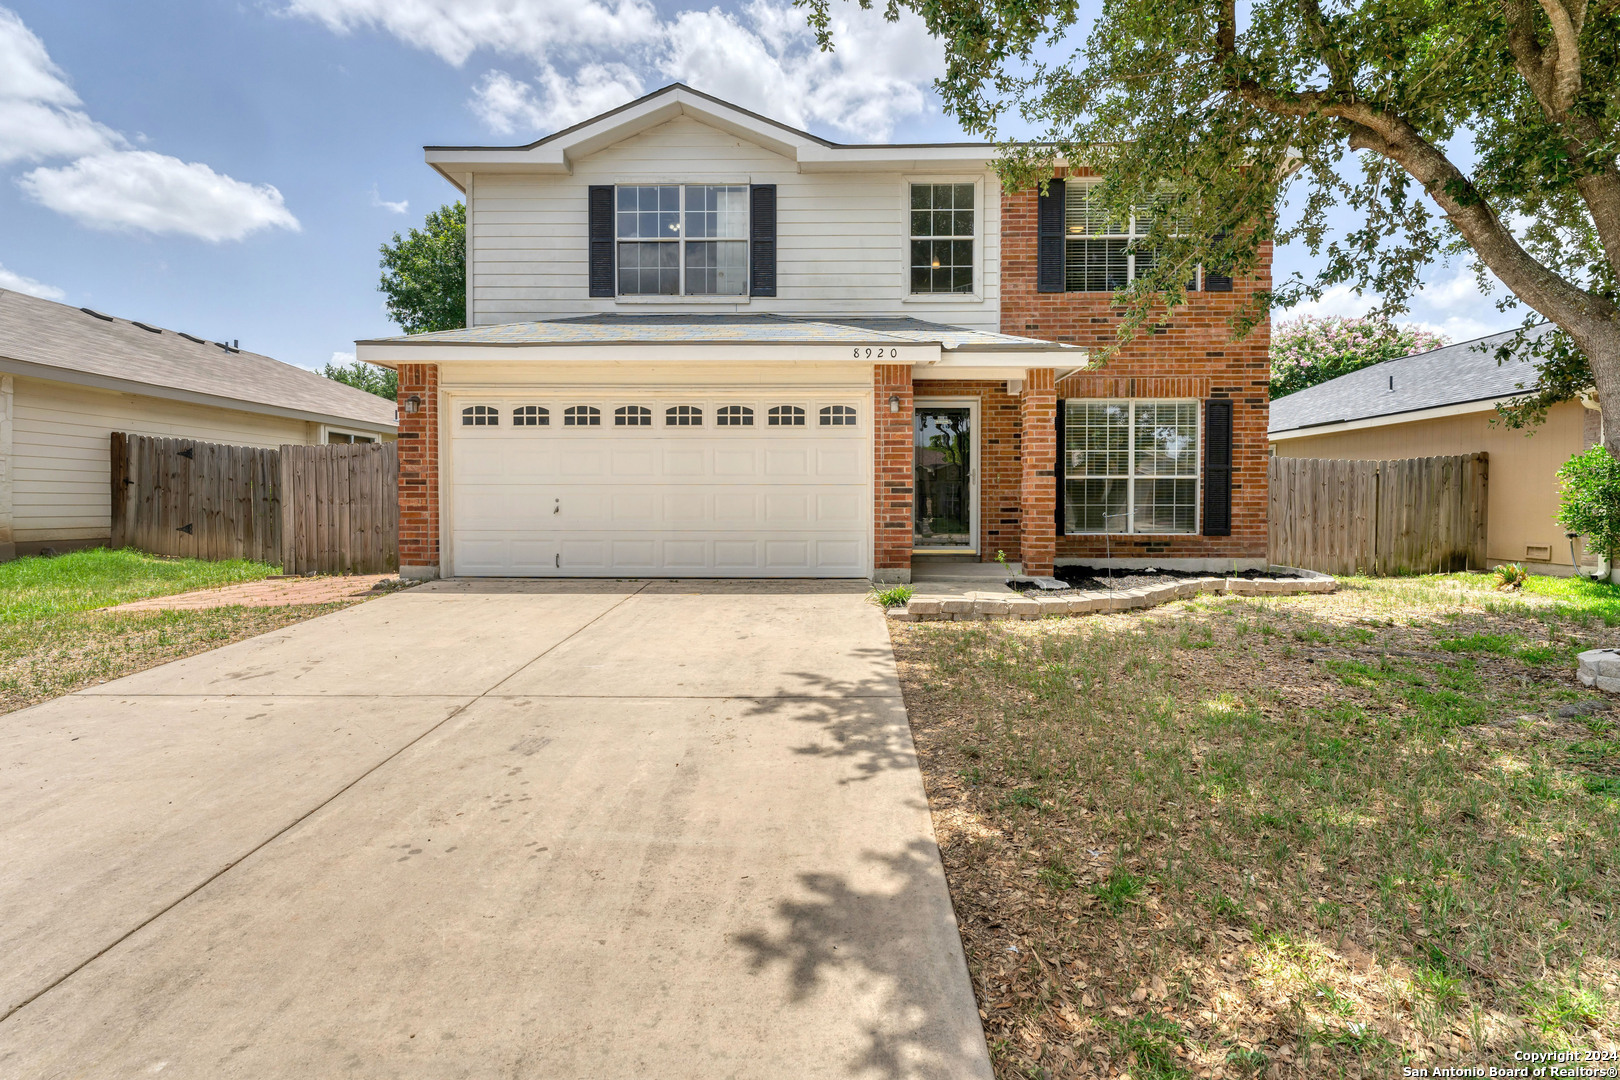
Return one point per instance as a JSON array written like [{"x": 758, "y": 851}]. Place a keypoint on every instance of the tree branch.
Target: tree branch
[
  {"x": 1566, "y": 58},
  {"x": 1391, "y": 136},
  {"x": 1316, "y": 27}
]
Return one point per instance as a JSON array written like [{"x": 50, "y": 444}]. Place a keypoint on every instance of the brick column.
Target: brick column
[
  {"x": 1037, "y": 495},
  {"x": 891, "y": 474},
  {"x": 419, "y": 472}
]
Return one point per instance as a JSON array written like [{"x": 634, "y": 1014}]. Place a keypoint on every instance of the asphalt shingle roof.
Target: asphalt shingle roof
[
  {"x": 1454, "y": 375},
  {"x": 714, "y": 329},
  {"x": 52, "y": 335}
]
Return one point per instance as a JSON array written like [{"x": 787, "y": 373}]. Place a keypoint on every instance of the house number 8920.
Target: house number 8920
[{"x": 876, "y": 354}]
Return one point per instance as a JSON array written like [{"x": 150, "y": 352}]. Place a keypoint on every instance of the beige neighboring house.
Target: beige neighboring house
[
  {"x": 1444, "y": 402},
  {"x": 69, "y": 377}
]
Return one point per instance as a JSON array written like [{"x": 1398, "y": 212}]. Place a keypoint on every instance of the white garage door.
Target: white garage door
[{"x": 767, "y": 484}]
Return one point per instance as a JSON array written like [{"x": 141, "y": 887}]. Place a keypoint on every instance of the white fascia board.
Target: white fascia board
[
  {"x": 392, "y": 355},
  {"x": 954, "y": 361},
  {"x": 68, "y": 376},
  {"x": 894, "y": 158},
  {"x": 1439, "y": 412}
]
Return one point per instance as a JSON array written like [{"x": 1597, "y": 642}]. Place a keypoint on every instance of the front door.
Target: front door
[{"x": 946, "y": 514}]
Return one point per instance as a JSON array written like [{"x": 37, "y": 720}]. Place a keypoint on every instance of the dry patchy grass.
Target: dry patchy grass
[
  {"x": 1305, "y": 836},
  {"x": 49, "y": 657}
]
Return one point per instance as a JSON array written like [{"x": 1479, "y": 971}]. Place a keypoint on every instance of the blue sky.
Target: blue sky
[{"x": 229, "y": 169}]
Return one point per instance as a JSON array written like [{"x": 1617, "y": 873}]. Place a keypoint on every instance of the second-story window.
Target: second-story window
[
  {"x": 942, "y": 230},
  {"x": 1103, "y": 254},
  {"x": 679, "y": 240}
]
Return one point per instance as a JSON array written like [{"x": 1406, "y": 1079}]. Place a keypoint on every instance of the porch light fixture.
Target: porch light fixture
[
  {"x": 413, "y": 404},
  {"x": 894, "y": 402}
]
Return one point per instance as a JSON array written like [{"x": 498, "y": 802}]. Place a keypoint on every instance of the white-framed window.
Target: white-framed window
[
  {"x": 632, "y": 416},
  {"x": 582, "y": 416},
  {"x": 1130, "y": 466},
  {"x": 734, "y": 416},
  {"x": 785, "y": 416},
  {"x": 683, "y": 416},
  {"x": 943, "y": 225},
  {"x": 682, "y": 239},
  {"x": 531, "y": 416},
  {"x": 838, "y": 416},
  {"x": 480, "y": 416},
  {"x": 1102, "y": 253}
]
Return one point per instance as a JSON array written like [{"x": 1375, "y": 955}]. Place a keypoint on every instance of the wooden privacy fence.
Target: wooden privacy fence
[
  {"x": 1412, "y": 516},
  {"x": 331, "y": 509}
]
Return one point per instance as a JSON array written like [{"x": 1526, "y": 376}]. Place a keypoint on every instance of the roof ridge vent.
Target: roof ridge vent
[
  {"x": 188, "y": 337},
  {"x": 97, "y": 314},
  {"x": 148, "y": 329}
]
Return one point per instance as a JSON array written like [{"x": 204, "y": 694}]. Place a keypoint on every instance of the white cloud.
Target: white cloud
[
  {"x": 139, "y": 189},
  {"x": 17, "y": 283},
  {"x": 767, "y": 60},
  {"x": 39, "y": 117},
  {"x": 383, "y": 204},
  {"x": 454, "y": 29},
  {"x": 509, "y": 106},
  {"x": 591, "y": 55},
  {"x": 109, "y": 185},
  {"x": 343, "y": 358},
  {"x": 1340, "y": 300}
]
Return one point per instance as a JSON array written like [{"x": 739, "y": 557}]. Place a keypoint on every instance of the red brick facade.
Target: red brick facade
[
  {"x": 1037, "y": 501},
  {"x": 891, "y": 473},
  {"x": 1194, "y": 357},
  {"x": 419, "y": 470}
]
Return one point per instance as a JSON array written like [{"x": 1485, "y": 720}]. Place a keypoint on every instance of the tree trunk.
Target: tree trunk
[{"x": 1602, "y": 348}]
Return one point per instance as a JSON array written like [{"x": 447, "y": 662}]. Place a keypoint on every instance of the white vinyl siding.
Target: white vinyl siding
[
  {"x": 61, "y": 441},
  {"x": 842, "y": 238}
]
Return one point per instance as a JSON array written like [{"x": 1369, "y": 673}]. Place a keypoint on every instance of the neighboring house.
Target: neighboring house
[
  {"x": 1441, "y": 403},
  {"x": 704, "y": 343},
  {"x": 69, "y": 377}
]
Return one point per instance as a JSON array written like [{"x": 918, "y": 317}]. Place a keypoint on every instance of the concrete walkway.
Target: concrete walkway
[
  {"x": 588, "y": 829},
  {"x": 271, "y": 592}
]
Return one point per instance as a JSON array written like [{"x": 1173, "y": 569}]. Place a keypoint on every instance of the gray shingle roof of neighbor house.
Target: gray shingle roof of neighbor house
[
  {"x": 1455, "y": 375},
  {"x": 729, "y": 329},
  {"x": 47, "y": 340}
]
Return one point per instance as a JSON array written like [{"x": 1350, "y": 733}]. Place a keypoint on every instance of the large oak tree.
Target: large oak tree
[{"x": 1483, "y": 127}]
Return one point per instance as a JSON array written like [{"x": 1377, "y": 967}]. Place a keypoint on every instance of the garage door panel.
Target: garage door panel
[{"x": 693, "y": 501}]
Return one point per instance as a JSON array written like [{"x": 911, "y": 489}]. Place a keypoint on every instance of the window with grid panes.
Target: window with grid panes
[
  {"x": 678, "y": 240},
  {"x": 1102, "y": 253},
  {"x": 942, "y": 231},
  {"x": 1130, "y": 466}
]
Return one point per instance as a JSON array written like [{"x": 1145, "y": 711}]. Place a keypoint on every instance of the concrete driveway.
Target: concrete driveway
[{"x": 576, "y": 829}]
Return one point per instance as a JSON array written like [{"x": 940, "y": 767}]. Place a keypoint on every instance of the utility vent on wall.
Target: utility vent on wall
[{"x": 1538, "y": 552}]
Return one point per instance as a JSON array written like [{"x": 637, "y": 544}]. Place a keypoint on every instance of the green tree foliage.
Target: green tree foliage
[
  {"x": 1435, "y": 124},
  {"x": 1310, "y": 350},
  {"x": 384, "y": 382},
  {"x": 1590, "y": 500},
  {"x": 425, "y": 273}
]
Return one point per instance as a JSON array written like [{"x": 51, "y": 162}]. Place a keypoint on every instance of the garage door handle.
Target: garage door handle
[{"x": 557, "y": 509}]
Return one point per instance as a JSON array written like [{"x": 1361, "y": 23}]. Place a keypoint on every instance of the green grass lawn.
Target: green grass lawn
[
  {"x": 37, "y": 587},
  {"x": 1301, "y": 836},
  {"x": 54, "y": 640}
]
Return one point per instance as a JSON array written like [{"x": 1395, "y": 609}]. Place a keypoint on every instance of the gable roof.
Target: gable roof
[
  {"x": 556, "y": 153},
  {"x": 1455, "y": 375},
  {"x": 47, "y": 340}
]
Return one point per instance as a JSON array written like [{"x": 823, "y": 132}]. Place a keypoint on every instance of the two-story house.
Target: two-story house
[{"x": 703, "y": 343}]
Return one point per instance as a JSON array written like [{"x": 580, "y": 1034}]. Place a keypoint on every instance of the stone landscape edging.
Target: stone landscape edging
[{"x": 1025, "y": 606}]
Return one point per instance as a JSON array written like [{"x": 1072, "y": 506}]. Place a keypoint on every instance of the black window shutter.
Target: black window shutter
[
  {"x": 1218, "y": 467},
  {"x": 1049, "y": 210},
  {"x": 600, "y": 232},
  {"x": 1062, "y": 459},
  {"x": 762, "y": 240},
  {"x": 1214, "y": 282}
]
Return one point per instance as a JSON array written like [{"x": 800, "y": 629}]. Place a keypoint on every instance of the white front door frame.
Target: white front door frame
[{"x": 925, "y": 401}]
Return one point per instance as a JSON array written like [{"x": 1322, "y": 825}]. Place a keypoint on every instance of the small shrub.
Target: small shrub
[
  {"x": 1589, "y": 503},
  {"x": 894, "y": 596},
  {"x": 1510, "y": 576}
]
